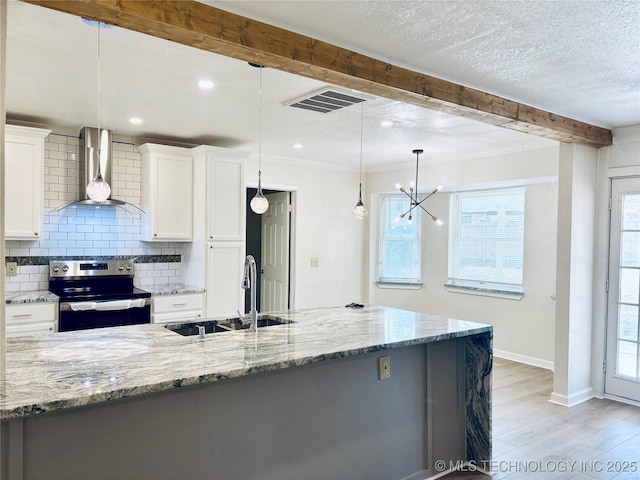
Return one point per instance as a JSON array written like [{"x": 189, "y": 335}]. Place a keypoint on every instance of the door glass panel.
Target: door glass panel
[
  {"x": 631, "y": 212},
  {"x": 627, "y": 359},
  {"x": 628, "y": 323},
  {"x": 630, "y": 249},
  {"x": 629, "y": 285}
]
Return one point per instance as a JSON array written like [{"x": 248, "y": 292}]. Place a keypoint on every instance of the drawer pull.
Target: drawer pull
[
  {"x": 21, "y": 315},
  {"x": 179, "y": 304}
]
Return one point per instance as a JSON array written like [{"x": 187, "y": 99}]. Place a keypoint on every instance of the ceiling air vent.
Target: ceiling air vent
[{"x": 325, "y": 101}]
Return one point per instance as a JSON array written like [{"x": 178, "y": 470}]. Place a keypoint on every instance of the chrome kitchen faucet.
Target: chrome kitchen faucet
[{"x": 249, "y": 282}]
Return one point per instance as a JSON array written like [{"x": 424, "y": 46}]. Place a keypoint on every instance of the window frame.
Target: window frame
[
  {"x": 398, "y": 282},
  {"x": 492, "y": 287}
]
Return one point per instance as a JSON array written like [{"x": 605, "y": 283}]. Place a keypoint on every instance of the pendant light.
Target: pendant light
[
  {"x": 259, "y": 203},
  {"x": 360, "y": 211},
  {"x": 98, "y": 189},
  {"x": 413, "y": 195}
]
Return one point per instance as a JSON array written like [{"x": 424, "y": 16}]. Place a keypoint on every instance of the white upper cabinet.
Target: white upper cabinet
[
  {"x": 167, "y": 193},
  {"x": 24, "y": 182},
  {"x": 225, "y": 193}
]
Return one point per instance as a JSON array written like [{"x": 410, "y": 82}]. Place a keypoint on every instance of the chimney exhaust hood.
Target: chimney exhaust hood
[{"x": 90, "y": 153}]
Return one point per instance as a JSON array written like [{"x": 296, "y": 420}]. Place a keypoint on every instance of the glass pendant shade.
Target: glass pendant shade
[
  {"x": 360, "y": 211},
  {"x": 259, "y": 203},
  {"x": 98, "y": 190}
]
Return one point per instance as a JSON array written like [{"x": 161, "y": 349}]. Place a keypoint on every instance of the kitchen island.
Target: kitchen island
[{"x": 300, "y": 400}]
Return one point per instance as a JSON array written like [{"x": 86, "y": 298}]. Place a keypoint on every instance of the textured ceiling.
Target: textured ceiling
[
  {"x": 579, "y": 58},
  {"x": 551, "y": 63}
]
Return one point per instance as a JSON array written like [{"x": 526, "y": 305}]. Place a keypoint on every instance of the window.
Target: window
[
  {"x": 486, "y": 239},
  {"x": 399, "y": 242}
]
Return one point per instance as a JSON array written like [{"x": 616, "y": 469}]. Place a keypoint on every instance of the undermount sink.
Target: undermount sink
[
  {"x": 188, "y": 329},
  {"x": 263, "y": 321},
  {"x": 215, "y": 326}
]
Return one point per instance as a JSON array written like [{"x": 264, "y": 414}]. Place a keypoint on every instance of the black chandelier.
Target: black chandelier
[{"x": 414, "y": 196}]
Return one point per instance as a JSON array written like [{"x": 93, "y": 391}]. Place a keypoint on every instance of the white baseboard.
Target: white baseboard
[
  {"x": 572, "y": 400},
  {"x": 516, "y": 357}
]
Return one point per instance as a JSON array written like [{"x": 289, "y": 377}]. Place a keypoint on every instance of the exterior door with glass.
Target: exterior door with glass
[{"x": 623, "y": 321}]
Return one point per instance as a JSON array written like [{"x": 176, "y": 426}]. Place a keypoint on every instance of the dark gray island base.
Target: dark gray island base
[{"x": 294, "y": 401}]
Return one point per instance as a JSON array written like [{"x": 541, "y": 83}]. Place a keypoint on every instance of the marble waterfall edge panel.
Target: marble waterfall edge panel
[{"x": 478, "y": 367}]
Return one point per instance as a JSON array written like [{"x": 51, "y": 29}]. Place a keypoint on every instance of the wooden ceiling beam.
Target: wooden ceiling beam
[{"x": 214, "y": 30}]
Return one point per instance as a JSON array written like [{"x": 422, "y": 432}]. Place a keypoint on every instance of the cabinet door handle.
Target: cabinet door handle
[
  {"x": 35, "y": 233},
  {"x": 155, "y": 234},
  {"x": 21, "y": 315}
]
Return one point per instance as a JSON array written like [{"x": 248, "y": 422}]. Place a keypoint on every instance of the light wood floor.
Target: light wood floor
[{"x": 602, "y": 437}]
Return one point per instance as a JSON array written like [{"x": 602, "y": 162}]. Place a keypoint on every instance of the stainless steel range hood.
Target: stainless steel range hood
[{"x": 89, "y": 148}]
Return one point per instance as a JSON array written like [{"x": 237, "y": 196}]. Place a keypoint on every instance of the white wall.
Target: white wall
[
  {"x": 523, "y": 329},
  {"x": 325, "y": 228}
]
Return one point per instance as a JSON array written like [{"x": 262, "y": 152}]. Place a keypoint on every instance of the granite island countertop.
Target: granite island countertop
[
  {"x": 71, "y": 369},
  {"x": 31, "y": 296}
]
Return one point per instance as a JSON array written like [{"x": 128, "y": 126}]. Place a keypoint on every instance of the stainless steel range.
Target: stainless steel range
[{"x": 97, "y": 293}]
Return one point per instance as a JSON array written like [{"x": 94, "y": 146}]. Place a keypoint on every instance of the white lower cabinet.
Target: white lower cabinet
[
  {"x": 30, "y": 319},
  {"x": 225, "y": 261},
  {"x": 176, "y": 308}
]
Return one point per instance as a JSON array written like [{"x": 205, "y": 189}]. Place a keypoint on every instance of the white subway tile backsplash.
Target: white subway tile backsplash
[
  {"x": 56, "y": 139},
  {"x": 122, "y": 147}
]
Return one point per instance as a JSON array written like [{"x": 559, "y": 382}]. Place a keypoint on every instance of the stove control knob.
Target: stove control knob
[
  {"x": 65, "y": 268},
  {"x": 129, "y": 267},
  {"x": 56, "y": 269},
  {"x": 120, "y": 267}
]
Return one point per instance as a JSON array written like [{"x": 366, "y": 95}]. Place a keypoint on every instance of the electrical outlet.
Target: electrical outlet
[
  {"x": 315, "y": 262},
  {"x": 12, "y": 269},
  {"x": 384, "y": 367}
]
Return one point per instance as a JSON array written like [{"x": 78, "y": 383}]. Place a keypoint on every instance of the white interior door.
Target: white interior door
[
  {"x": 274, "y": 286},
  {"x": 623, "y": 321}
]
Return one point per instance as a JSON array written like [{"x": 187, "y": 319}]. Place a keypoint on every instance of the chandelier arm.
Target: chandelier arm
[
  {"x": 420, "y": 202},
  {"x": 426, "y": 211},
  {"x": 410, "y": 196}
]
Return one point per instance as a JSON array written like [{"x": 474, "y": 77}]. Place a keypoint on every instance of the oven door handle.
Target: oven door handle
[{"x": 106, "y": 305}]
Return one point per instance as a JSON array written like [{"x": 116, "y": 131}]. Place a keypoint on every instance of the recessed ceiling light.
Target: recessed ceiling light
[
  {"x": 135, "y": 120},
  {"x": 297, "y": 145},
  {"x": 206, "y": 84},
  {"x": 386, "y": 123}
]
